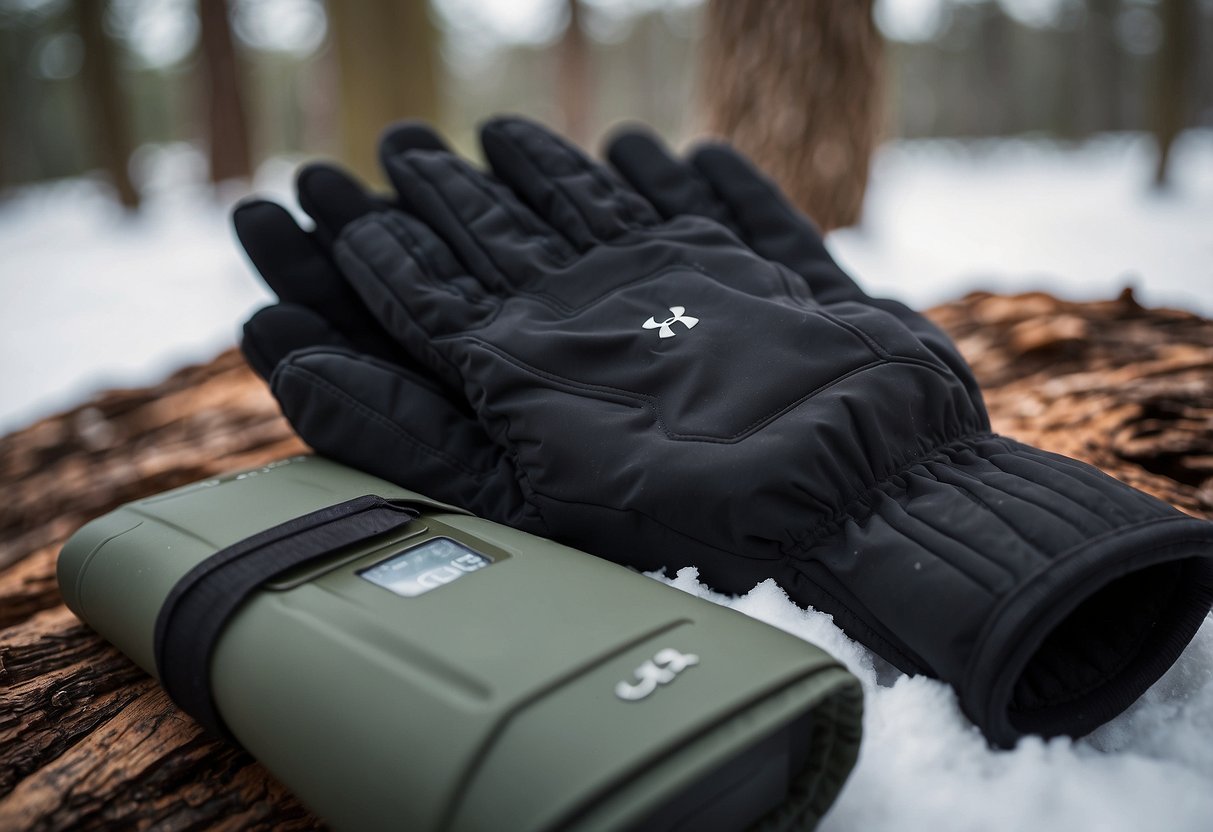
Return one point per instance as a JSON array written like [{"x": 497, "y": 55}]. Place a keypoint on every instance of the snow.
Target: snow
[
  {"x": 923, "y": 766},
  {"x": 93, "y": 298},
  {"x": 942, "y": 218}
]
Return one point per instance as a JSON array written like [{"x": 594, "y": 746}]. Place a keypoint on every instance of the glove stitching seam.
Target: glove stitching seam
[
  {"x": 614, "y": 195},
  {"x": 972, "y": 576},
  {"x": 811, "y": 536},
  {"x": 1055, "y": 491},
  {"x": 318, "y": 383},
  {"x": 506, "y": 203},
  {"x": 402, "y": 234},
  {"x": 1031, "y": 543},
  {"x": 587, "y": 228},
  {"x": 650, "y": 402},
  {"x": 880, "y": 349},
  {"x": 395, "y": 228},
  {"x": 597, "y": 178},
  {"x": 1071, "y": 474},
  {"x": 475, "y": 242}
]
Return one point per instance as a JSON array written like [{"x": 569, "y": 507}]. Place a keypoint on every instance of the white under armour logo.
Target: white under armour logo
[
  {"x": 666, "y": 326},
  {"x": 659, "y": 670}
]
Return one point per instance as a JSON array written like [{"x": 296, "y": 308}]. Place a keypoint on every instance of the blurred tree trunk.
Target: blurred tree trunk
[
  {"x": 226, "y": 122},
  {"x": 796, "y": 84},
  {"x": 7, "y": 90},
  {"x": 1106, "y": 78},
  {"x": 996, "y": 115},
  {"x": 105, "y": 102},
  {"x": 386, "y": 53},
  {"x": 1170, "y": 94},
  {"x": 573, "y": 77}
]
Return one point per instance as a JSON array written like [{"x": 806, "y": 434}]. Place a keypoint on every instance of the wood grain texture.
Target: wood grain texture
[{"x": 88, "y": 741}]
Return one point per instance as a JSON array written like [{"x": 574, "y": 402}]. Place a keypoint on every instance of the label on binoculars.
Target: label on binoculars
[{"x": 435, "y": 563}]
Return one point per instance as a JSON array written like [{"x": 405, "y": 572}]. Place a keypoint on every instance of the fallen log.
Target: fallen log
[{"x": 88, "y": 741}]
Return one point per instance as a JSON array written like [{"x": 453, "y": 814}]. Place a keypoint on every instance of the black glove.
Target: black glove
[{"x": 654, "y": 392}]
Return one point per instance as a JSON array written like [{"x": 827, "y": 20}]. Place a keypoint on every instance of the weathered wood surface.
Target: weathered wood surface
[{"x": 89, "y": 741}]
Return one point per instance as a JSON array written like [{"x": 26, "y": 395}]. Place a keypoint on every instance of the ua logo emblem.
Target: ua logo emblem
[
  {"x": 666, "y": 326},
  {"x": 659, "y": 670}
]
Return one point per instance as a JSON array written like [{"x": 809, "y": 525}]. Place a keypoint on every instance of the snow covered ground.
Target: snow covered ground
[
  {"x": 92, "y": 299},
  {"x": 942, "y": 218}
]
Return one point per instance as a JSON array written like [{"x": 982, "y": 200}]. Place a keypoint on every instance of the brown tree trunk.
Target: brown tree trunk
[
  {"x": 386, "y": 53},
  {"x": 796, "y": 85},
  {"x": 1173, "y": 64},
  {"x": 106, "y": 105},
  {"x": 226, "y": 123},
  {"x": 88, "y": 741},
  {"x": 573, "y": 86}
]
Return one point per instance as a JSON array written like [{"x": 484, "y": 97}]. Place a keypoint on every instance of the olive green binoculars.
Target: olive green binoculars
[{"x": 401, "y": 664}]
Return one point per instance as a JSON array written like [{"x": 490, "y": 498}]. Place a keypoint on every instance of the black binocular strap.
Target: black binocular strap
[{"x": 201, "y": 603}]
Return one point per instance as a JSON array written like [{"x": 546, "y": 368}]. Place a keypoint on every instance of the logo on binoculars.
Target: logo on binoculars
[
  {"x": 666, "y": 327},
  {"x": 457, "y": 568},
  {"x": 659, "y": 670}
]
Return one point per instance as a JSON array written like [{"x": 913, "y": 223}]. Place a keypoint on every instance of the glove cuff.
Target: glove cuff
[
  {"x": 1081, "y": 639},
  {"x": 1048, "y": 593}
]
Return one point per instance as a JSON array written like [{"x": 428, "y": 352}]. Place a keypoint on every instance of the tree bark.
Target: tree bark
[
  {"x": 387, "y": 54},
  {"x": 797, "y": 86},
  {"x": 106, "y": 104},
  {"x": 88, "y": 741},
  {"x": 226, "y": 124}
]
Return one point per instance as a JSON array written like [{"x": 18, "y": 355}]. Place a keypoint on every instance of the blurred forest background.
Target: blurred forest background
[
  {"x": 949, "y": 144},
  {"x": 89, "y": 85}
]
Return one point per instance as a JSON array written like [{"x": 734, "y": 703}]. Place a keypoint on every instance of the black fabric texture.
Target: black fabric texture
[
  {"x": 663, "y": 366},
  {"x": 202, "y": 602}
]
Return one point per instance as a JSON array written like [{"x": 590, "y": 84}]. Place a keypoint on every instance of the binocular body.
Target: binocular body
[{"x": 457, "y": 674}]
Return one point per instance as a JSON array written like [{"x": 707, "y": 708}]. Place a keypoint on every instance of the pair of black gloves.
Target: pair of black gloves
[{"x": 659, "y": 363}]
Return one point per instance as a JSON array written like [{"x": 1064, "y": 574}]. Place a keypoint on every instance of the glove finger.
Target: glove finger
[
  {"x": 396, "y": 424},
  {"x": 333, "y": 198},
  {"x": 276, "y": 331},
  {"x": 301, "y": 272},
  {"x": 290, "y": 260},
  {"x": 401, "y": 269},
  {"x": 579, "y": 198},
  {"x": 498, "y": 239},
  {"x": 404, "y": 136},
  {"x": 770, "y": 225},
  {"x": 777, "y": 231},
  {"x": 669, "y": 184}
]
